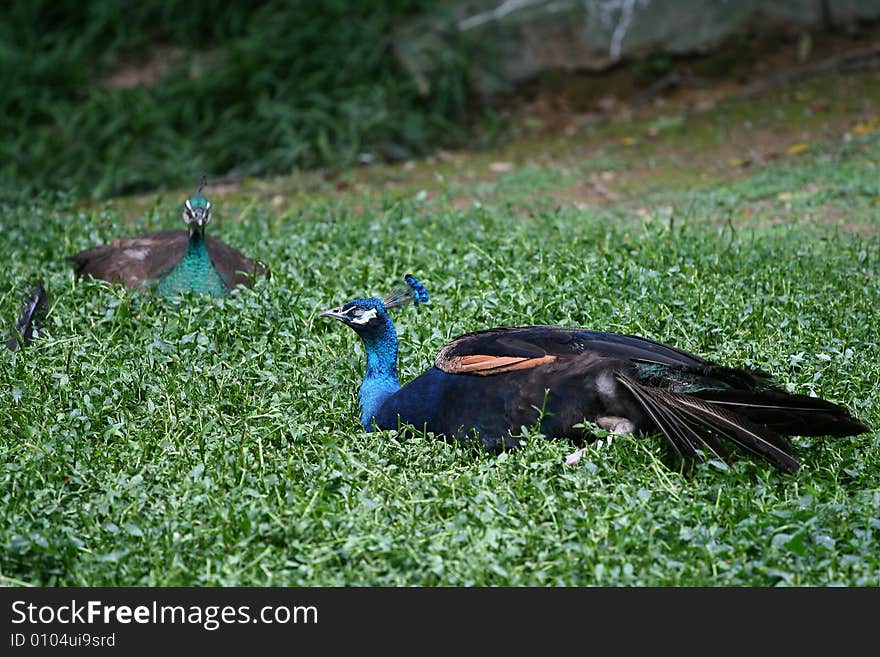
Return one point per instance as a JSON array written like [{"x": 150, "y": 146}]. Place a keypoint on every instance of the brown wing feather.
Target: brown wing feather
[
  {"x": 142, "y": 260},
  {"x": 484, "y": 361},
  {"x": 539, "y": 341},
  {"x": 485, "y": 365},
  {"x": 134, "y": 261},
  {"x": 523, "y": 347},
  {"x": 233, "y": 266}
]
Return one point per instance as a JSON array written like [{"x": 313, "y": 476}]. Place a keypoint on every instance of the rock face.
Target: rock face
[{"x": 509, "y": 41}]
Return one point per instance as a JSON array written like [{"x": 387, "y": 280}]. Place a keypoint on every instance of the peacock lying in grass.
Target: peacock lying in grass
[
  {"x": 177, "y": 261},
  {"x": 33, "y": 313},
  {"x": 491, "y": 383}
]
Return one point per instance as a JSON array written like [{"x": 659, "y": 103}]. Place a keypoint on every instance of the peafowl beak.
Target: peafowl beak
[
  {"x": 357, "y": 316},
  {"x": 197, "y": 213},
  {"x": 335, "y": 313},
  {"x": 200, "y": 217}
]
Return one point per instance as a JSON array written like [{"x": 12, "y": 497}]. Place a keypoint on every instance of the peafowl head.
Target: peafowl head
[
  {"x": 197, "y": 210},
  {"x": 369, "y": 317}
]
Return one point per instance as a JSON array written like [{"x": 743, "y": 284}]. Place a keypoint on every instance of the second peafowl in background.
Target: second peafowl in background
[
  {"x": 491, "y": 383},
  {"x": 176, "y": 261}
]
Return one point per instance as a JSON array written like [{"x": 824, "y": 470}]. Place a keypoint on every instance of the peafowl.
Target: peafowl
[
  {"x": 178, "y": 261},
  {"x": 33, "y": 312},
  {"x": 488, "y": 384}
]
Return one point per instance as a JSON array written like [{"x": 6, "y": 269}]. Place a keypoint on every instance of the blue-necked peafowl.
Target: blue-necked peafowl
[
  {"x": 33, "y": 312},
  {"x": 178, "y": 261},
  {"x": 491, "y": 383}
]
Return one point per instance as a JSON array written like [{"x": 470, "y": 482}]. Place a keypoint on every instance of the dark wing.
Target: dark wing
[
  {"x": 695, "y": 403},
  {"x": 233, "y": 266},
  {"x": 502, "y": 349},
  {"x": 134, "y": 261}
]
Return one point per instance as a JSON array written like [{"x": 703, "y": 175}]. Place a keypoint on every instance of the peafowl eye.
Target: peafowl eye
[
  {"x": 362, "y": 315},
  {"x": 175, "y": 261},
  {"x": 488, "y": 384}
]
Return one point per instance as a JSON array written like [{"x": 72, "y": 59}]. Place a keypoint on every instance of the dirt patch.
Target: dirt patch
[
  {"x": 564, "y": 102},
  {"x": 617, "y": 150},
  {"x": 146, "y": 70}
]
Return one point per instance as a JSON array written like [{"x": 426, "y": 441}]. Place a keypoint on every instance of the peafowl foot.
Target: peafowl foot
[
  {"x": 612, "y": 423},
  {"x": 615, "y": 424}
]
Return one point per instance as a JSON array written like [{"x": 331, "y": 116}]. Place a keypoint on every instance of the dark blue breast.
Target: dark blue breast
[{"x": 452, "y": 405}]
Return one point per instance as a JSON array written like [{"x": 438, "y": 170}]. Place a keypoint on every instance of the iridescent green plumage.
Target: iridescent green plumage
[
  {"x": 194, "y": 273},
  {"x": 675, "y": 378}
]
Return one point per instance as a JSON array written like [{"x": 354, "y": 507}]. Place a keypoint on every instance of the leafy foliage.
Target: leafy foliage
[{"x": 250, "y": 88}]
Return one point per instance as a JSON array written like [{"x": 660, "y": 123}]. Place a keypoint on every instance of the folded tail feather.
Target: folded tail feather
[
  {"x": 789, "y": 414},
  {"x": 680, "y": 433},
  {"x": 688, "y": 422},
  {"x": 753, "y": 394},
  {"x": 33, "y": 311}
]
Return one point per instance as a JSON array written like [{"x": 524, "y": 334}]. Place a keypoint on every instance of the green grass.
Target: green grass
[{"x": 217, "y": 442}]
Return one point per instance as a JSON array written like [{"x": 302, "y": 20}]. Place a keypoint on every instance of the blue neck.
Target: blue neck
[{"x": 380, "y": 379}]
